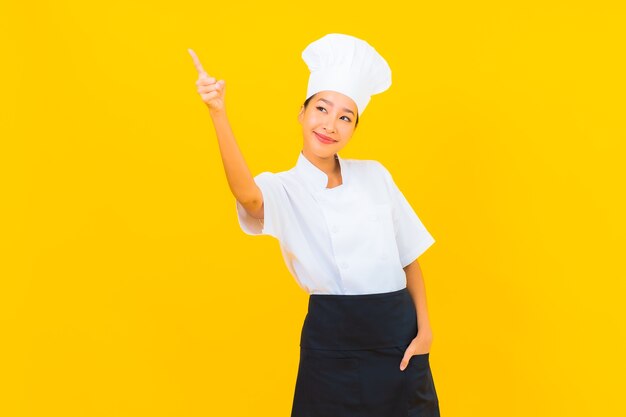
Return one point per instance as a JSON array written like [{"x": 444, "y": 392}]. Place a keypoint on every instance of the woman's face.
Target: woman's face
[{"x": 332, "y": 115}]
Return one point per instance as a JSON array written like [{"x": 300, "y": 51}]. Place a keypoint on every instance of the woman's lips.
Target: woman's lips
[{"x": 324, "y": 139}]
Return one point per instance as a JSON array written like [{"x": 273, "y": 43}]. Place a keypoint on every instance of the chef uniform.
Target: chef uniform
[{"x": 347, "y": 246}]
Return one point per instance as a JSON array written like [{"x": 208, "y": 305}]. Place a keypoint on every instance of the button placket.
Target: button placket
[{"x": 334, "y": 229}]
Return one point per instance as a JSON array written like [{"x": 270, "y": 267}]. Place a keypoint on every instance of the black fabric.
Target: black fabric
[{"x": 350, "y": 352}]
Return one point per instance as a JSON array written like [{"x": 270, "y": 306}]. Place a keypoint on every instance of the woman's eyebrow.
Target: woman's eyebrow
[{"x": 344, "y": 109}]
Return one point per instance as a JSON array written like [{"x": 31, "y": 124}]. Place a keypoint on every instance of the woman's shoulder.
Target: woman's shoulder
[
  {"x": 275, "y": 175},
  {"x": 368, "y": 166}
]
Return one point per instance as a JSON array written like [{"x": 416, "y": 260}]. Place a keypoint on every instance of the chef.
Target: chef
[{"x": 346, "y": 233}]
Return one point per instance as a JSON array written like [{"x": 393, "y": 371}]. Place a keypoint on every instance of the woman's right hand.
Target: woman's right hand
[{"x": 212, "y": 92}]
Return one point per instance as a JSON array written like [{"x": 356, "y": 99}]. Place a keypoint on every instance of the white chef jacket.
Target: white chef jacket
[{"x": 354, "y": 238}]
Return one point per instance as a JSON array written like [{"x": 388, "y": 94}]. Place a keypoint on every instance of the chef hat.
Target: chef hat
[{"x": 347, "y": 65}]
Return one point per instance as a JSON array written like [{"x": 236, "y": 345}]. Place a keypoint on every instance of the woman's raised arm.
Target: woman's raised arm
[{"x": 240, "y": 179}]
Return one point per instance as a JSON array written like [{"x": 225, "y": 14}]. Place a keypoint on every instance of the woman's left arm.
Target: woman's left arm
[{"x": 417, "y": 289}]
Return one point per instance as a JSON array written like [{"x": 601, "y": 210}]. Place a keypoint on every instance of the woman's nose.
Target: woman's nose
[{"x": 330, "y": 126}]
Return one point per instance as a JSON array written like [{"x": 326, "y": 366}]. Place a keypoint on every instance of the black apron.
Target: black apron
[{"x": 350, "y": 352}]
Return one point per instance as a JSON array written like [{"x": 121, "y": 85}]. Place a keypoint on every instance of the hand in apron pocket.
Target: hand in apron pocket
[{"x": 421, "y": 394}]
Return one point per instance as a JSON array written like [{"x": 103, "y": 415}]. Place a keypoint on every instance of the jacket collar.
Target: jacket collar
[{"x": 314, "y": 177}]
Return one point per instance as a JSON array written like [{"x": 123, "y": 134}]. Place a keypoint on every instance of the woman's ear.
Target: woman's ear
[{"x": 301, "y": 114}]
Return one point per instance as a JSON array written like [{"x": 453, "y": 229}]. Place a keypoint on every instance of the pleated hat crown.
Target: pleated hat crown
[{"x": 348, "y": 65}]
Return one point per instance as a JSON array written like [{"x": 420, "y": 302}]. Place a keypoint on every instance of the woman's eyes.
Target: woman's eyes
[{"x": 348, "y": 119}]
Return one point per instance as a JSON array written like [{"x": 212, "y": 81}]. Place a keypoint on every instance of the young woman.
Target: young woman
[{"x": 350, "y": 239}]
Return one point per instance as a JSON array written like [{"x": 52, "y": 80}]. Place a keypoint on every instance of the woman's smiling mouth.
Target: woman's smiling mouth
[{"x": 324, "y": 139}]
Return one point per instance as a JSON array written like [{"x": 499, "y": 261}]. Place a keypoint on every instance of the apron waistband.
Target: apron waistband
[{"x": 359, "y": 321}]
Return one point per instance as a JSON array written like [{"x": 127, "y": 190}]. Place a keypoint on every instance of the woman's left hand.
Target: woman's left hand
[{"x": 420, "y": 345}]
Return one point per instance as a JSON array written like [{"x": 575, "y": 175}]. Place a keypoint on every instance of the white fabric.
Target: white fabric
[
  {"x": 347, "y": 65},
  {"x": 354, "y": 238}
]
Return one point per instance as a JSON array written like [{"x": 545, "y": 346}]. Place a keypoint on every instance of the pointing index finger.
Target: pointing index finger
[{"x": 196, "y": 62}]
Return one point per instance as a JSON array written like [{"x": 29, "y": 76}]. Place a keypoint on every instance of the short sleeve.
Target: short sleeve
[
  {"x": 273, "y": 197},
  {"x": 412, "y": 237}
]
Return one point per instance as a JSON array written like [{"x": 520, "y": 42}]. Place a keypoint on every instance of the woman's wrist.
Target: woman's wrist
[
  {"x": 217, "y": 113},
  {"x": 424, "y": 328}
]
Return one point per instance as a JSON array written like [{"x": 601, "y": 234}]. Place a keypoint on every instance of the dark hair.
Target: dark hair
[{"x": 306, "y": 103}]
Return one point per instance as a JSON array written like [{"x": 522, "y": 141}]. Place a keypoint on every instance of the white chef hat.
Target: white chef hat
[{"x": 347, "y": 65}]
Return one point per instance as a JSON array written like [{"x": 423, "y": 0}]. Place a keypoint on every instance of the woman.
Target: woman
[{"x": 350, "y": 239}]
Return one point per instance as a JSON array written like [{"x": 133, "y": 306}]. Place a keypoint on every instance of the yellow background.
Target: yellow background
[{"x": 128, "y": 289}]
